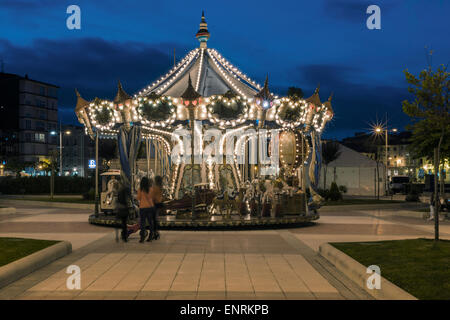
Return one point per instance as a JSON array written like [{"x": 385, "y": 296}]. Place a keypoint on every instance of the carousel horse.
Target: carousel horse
[
  {"x": 269, "y": 193},
  {"x": 111, "y": 192},
  {"x": 287, "y": 189},
  {"x": 239, "y": 203},
  {"x": 223, "y": 203}
]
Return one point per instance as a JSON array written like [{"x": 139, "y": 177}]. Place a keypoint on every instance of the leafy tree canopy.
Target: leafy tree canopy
[
  {"x": 429, "y": 112},
  {"x": 295, "y": 92}
]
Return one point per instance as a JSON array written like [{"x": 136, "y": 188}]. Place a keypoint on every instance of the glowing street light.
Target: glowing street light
[
  {"x": 54, "y": 133},
  {"x": 379, "y": 129}
]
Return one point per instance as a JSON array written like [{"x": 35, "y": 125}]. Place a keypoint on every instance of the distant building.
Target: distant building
[
  {"x": 78, "y": 150},
  {"x": 28, "y": 113},
  {"x": 399, "y": 160}
]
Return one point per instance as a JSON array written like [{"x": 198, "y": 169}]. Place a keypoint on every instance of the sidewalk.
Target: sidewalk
[{"x": 187, "y": 265}]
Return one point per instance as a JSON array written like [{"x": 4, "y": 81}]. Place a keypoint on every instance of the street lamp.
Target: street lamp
[
  {"x": 379, "y": 130},
  {"x": 54, "y": 133}
]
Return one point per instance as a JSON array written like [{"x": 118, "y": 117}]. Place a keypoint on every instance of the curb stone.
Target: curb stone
[
  {"x": 17, "y": 269},
  {"x": 356, "y": 272},
  {"x": 69, "y": 205}
]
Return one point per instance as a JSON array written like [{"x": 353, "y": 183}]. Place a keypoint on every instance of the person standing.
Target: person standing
[
  {"x": 145, "y": 207},
  {"x": 123, "y": 209},
  {"x": 156, "y": 196}
]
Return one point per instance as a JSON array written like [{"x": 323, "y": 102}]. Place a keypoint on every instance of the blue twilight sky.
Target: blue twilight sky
[{"x": 298, "y": 43}]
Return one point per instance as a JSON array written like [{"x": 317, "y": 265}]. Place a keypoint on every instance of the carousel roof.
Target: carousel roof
[
  {"x": 230, "y": 99},
  {"x": 211, "y": 73}
]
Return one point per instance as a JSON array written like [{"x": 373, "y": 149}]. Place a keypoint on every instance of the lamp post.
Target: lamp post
[
  {"x": 60, "y": 146},
  {"x": 96, "y": 173},
  {"x": 384, "y": 130}
]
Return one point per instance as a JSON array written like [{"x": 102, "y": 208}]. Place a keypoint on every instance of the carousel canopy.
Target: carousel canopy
[
  {"x": 220, "y": 92},
  {"x": 211, "y": 73}
]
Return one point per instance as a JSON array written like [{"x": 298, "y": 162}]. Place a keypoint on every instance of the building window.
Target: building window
[
  {"x": 27, "y": 124},
  {"x": 39, "y": 137},
  {"x": 27, "y": 137}
]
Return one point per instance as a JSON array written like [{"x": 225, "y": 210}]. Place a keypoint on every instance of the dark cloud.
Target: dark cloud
[
  {"x": 354, "y": 10},
  {"x": 335, "y": 76},
  {"x": 92, "y": 65},
  {"x": 27, "y": 4},
  {"x": 356, "y": 102}
]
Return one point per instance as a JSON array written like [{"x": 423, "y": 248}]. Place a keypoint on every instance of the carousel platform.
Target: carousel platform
[{"x": 171, "y": 222}]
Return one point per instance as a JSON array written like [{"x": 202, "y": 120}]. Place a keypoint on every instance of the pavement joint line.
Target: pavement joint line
[
  {"x": 151, "y": 274},
  {"x": 339, "y": 281},
  {"x": 225, "y": 275},
  {"x": 273, "y": 274},
  {"x": 248, "y": 272},
  {"x": 176, "y": 273},
  {"x": 129, "y": 271},
  {"x": 201, "y": 271}
]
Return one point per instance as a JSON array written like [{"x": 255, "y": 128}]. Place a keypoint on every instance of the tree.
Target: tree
[
  {"x": 330, "y": 152},
  {"x": 430, "y": 115},
  {"x": 295, "y": 92},
  {"x": 372, "y": 146}
]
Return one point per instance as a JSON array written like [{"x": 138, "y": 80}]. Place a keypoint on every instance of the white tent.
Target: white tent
[{"x": 355, "y": 171}]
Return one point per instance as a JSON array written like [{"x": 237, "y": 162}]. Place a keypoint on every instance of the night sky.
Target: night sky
[{"x": 298, "y": 43}]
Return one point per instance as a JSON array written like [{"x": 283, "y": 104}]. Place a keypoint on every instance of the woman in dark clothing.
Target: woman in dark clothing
[
  {"x": 123, "y": 205},
  {"x": 156, "y": 196}
]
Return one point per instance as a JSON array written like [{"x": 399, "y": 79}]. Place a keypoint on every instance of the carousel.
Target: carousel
[{"x": 231, "y": 153}]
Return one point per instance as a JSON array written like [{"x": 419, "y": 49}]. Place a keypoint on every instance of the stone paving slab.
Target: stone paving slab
[{"x": 187, "y": 265}]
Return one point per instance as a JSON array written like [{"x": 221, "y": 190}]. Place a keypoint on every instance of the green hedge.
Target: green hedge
[{"x": 41, "y": 185}]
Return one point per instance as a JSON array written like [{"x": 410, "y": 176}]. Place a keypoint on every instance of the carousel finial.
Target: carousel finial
[
  {"x": 121, "y": 95},
  {"x": 202, "y": 34},
  {"x": 80, "y": 101},
  {"x": 315, "y": 99},
  {"x": 327, "y": 103},
  {"x": 264, "y": 94},
  {"x": 190, "y": 94},
  {"x": 317, "y": 89}
]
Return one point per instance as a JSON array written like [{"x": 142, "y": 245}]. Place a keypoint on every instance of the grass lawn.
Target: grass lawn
[
  {"x": 417, "y": 265},
  {"x": 360, "y": 201},
  {"x": 58, "y": 199},
  {"x": 12, "y": 249}
]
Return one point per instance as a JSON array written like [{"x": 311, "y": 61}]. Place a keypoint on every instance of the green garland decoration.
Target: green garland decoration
[
  {"x": 224, "y": 108},
  {"x": 156, "y": 108},
  {"x": 103, "y": 116}
]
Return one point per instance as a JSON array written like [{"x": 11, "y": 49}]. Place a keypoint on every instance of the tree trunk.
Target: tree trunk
[
  {"x": 325, "y": 178},
  {"x": 52, "y": 184},
  {"x": 378, "y": 182},
  {"x": 436, "y": 190}
]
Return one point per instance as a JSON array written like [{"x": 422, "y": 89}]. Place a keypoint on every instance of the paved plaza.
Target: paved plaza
[{"x": 260, "y": 264}]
